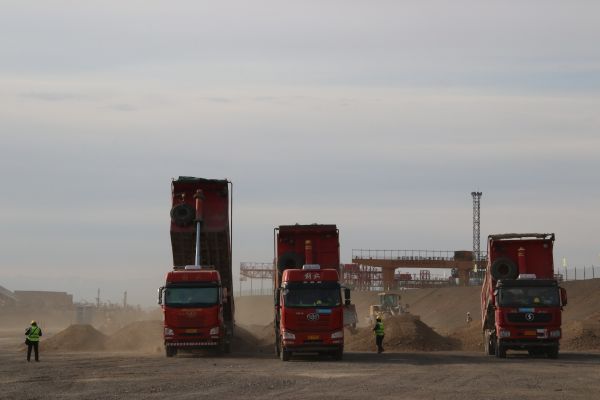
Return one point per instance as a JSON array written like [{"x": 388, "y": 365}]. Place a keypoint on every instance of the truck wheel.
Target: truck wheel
[
  {"x": 285, "y": 355},
  {"x": 489, "y": 344},
  {"x": 500, "y": 350},
  {"x": 553, "y": 352},
  {"x": 225, "y": 348},
  {"x": 504, "y": 268},
  {"x": 290, "y": 260},
  {"x": 183, "y": 214},
  {"x": 170, "y": 351},
  {"x": 338, "y": 355}
]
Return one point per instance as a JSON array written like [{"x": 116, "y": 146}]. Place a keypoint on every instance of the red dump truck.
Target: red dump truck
[
  {"x": 310, "y": 313},
  {"x": 197, "y": 299},
  {"x": 521, "y": 301}
]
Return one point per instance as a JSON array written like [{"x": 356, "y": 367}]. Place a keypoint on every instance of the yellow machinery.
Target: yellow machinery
[{"x": 389, "y": 305}]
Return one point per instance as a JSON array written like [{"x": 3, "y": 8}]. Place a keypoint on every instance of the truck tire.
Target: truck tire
[
  {"x": 338, "y": 355},
  {"x": 290, "y": 259},
  {"x": 552, "y": 352},
  {"x": 489, "y": 344},
  {"x": 170, "y": 351},
  {"x": 500, "y": 350},
  {"x": 225, "y": 348},
  {"x": 504, "y": 268},
  {"x": 285, "y": 355},
  {"x": 183, "y": 214}
]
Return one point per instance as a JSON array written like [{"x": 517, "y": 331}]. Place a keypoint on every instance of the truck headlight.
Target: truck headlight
[
  {"x": 337, "y": 335},
  {"x": 555, "y": 334},
  {"x": 504, "y": 333},
  {"x": 288, "y": 335},
  {"x": 169, "y": 332},
  {"x": 214, "y": 331}
]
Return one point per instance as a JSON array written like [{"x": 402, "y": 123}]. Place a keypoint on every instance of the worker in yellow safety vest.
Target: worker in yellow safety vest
[
  {"x": 378, "y": 329},
  {"x": 32, "y": 340}
]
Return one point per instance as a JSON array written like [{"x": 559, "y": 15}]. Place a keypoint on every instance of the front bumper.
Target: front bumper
[
  {"x": 190, "y": 343},
  {"x": 524, "y": 344},
  {"x": 313, "y": 348}
]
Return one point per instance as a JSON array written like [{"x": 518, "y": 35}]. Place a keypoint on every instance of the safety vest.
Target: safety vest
[
  {"x": 34, "y": 334},
  {"x": 379, "y": 329}
]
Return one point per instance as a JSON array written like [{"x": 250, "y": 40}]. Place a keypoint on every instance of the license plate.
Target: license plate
[
  {"x": 191, "y": 331},
  {"x": 313, "y": 337},
  {"x": 530, "y": 333}
]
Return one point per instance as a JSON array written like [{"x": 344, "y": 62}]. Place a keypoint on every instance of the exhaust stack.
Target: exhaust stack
[
  {"x": 521, "y": 259},
  {"x": 199, "y": 196},
  {"x": 308, "y": 252}
]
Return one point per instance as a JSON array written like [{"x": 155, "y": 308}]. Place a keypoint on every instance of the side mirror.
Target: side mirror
[
  {"x": 276, "y": 299},
  {"x": 563, "y": 296},
  {"x": 224, "y": 294},
  {"x": 347, "y": 300},
  {"x": 160, "y": 295}
]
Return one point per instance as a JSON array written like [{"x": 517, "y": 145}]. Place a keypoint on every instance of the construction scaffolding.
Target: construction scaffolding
[{"x": 262, "y": 271}]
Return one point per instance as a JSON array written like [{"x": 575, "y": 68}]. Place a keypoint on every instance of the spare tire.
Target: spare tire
[
  {"x": 290, "y": 260},
  {"x": 183, "y": 214},
  {"x": 504, "y": 268}
]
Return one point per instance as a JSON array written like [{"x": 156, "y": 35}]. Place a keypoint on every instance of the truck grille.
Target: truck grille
[
  {"x": 315, "y": 325},
  {"x": 534, "y": 318}
]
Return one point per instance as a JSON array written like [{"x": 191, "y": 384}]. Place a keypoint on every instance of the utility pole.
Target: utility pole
[
  {"x": 98, "y": 299},
  {"x": 476, "y": 226}
]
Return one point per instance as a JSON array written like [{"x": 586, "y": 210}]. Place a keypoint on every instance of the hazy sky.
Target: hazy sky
[{"x": 378, "y": 116}]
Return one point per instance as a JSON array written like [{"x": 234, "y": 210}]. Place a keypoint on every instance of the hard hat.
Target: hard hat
[
  {"x": 378, "y": 318},
  {"x": 33, "y": 323}
]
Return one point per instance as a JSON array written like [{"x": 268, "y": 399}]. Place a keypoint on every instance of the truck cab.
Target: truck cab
[
  {"x": 311, "y": 315},
  {"x": 192, "y": 301}
]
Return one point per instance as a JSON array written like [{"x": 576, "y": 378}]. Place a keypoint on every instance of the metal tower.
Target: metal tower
[{"x": 476, "y": 223}]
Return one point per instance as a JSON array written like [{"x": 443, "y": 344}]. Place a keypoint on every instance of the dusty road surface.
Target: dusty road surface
[
  {"x": 433, "y": 375},
  {"x": 71, "y": 370}
]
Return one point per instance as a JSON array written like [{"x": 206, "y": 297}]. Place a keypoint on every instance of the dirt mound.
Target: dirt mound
[
  {"x": 76, "y": 338},
  {"x": 582, "y": 335},
  {"x": 254, "y": 339},
  {"x": 140, "y": 336},
  {"x": 469, "y": 338},
  {"x": 402, "y": 333}
]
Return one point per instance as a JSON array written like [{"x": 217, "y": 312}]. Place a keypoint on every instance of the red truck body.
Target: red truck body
[
  {"x": 521, "y": 301},
  {"x": 309, "y": 310},
  {"x": 197, "y": 299}
]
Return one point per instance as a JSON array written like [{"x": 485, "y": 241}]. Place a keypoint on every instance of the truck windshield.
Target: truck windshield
[
  {"x": 311, "y": 297},
  {"x": 191, "y": 296},
  {"x": 529, "y": 297}
]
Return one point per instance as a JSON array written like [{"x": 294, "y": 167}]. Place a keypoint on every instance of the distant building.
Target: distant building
[
  {"x": 7, "y": 298},
  {"x": 43, "y": 299}
]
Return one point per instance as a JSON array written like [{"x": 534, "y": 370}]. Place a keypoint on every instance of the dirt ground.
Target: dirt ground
[
  {"x": 430, "y": 354},
  {"x": 406, "y": 375}
]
